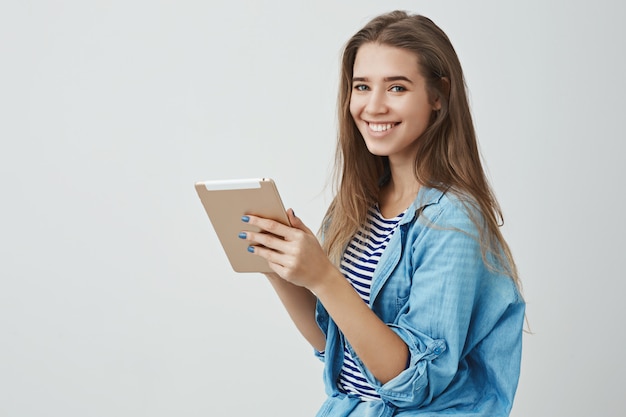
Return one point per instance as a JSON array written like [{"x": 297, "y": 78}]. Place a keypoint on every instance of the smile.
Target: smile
[{"x": 381, "y": 127}]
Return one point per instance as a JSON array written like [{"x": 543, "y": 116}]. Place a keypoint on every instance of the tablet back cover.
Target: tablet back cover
[{"x": 226, "y": 201}]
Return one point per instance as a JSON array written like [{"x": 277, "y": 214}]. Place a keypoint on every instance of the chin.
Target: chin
[{"x": 377, "y": 152}]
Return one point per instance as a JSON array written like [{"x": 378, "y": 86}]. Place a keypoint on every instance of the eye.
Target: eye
[
  {"x": 397, "y": 89},
  {"x": 361, "y": 87}
]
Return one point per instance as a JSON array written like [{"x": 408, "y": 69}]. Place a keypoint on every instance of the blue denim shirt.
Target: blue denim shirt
[{"x": 461, "y": 320}]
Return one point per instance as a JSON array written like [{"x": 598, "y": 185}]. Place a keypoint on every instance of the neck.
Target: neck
[
  {"x": 400, "y": 191},
  {"x": 403, "y": 181}
]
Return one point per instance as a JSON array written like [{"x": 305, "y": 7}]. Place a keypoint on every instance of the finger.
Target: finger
[
  {"x": 272, "y": 257},
  {"x": 265, "y": 239},
  {"x": 296, "y": 222},
  {"x": 268, "y": 225}
]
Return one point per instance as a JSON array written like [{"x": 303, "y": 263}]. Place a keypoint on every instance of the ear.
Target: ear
[
  {"x": 444, "y": 88},
  {"x": 437, "y": 103}
]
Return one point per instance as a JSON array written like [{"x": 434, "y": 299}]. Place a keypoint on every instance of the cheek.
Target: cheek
[
  {"x": 354, "y": 109},
  {"x": 423, "y": 111}
]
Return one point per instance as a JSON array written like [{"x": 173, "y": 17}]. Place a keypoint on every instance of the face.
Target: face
[{"x": 389, "y": 102}]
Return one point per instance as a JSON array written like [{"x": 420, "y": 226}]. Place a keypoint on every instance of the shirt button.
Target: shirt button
[{"x": 437, "y": 351}]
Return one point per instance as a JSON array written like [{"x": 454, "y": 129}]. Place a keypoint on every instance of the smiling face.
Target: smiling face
[{"x": 389, "y": 102}]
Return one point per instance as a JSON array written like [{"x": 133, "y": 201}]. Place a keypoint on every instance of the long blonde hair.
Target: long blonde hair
[{"x": 447, "y": 158}]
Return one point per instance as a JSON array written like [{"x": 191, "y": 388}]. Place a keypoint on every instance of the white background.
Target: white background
[{"x": 115, "y": 297}]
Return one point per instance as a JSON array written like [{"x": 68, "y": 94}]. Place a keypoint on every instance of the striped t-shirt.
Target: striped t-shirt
[{"x": 358, "y": 265}]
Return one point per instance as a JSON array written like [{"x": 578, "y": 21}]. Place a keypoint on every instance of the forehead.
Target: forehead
[{"x": 376, "y": 59}]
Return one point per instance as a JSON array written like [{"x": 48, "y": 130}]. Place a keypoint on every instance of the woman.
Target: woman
[{"x": 412, "y": 299}]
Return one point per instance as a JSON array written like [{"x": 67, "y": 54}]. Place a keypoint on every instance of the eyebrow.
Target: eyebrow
[{"x": 386, "y": 79}]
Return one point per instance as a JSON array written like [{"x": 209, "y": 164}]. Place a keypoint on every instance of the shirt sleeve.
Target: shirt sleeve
[
  {"x": 447, "y": 273},
  {"x": 322, "y": 319}
]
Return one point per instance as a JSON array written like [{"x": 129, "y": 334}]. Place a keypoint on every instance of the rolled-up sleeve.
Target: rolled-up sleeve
[{"x": 446, "y": 269}]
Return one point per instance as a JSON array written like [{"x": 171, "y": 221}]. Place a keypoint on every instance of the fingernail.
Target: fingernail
[
  {"x": 245, "y": 219},
  {"x": 293, "y": 212},
  {"x": 251, "y": 249},
  {"x": 242, "y": 235}
]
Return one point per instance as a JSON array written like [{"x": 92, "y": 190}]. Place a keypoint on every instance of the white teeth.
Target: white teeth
[{"x": 381, "y": 127}]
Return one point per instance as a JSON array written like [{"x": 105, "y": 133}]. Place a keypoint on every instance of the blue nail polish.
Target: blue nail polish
[
  {"x": 245, "y": 219},
  {"x": 251, "y": 249},
  {"x": 242, "y": 235}
]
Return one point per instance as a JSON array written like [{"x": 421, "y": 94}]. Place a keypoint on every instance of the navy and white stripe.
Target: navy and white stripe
[{"x": 358, "y": 264}]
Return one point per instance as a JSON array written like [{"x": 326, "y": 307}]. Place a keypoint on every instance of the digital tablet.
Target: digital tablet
[{"x": 225, "y": 201}]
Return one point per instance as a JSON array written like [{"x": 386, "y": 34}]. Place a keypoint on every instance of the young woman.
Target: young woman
[{"x": 411, "y": 299}]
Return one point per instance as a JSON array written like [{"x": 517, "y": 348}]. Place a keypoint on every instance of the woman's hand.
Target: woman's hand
[
  {"x": 294, "y": 253},
  {"x": 296, "y": 256}
]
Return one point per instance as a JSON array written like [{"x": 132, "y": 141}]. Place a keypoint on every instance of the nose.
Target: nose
[{"x": 377, "y": 102}]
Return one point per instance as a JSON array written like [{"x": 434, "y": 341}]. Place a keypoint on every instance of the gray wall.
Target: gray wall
[{"x": 115, "y": 297}]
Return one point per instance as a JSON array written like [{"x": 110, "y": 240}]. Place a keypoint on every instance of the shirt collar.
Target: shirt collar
[{"x": 425, "y": 197}]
